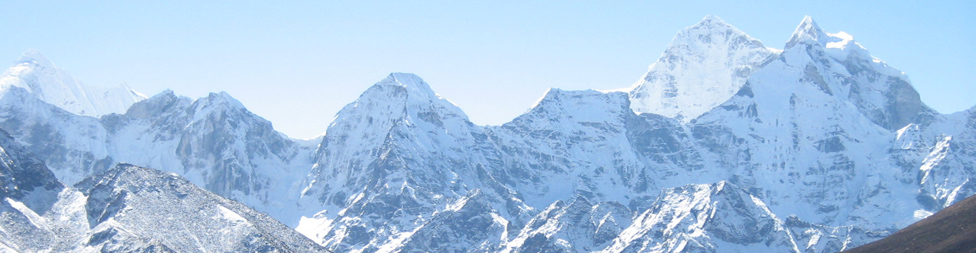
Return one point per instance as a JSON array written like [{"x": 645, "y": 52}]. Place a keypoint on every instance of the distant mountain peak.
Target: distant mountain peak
[
  {"x": 704, "y": 66},
  {"x": 413, "y": 83},
  {"x": 403, "y": 90},
  {"x": 579, "y": 105},
  {"x": 222, "y": 98},
  {"x": 712, "y": 22},
  {"x": 843, "y": 69},
  {"x": 405, "y": 79},
  {"x": 711, "y": 17},
  {"x": 36, "y": 74},
  {"x": 701, "y": 31},
  {"x": 807, "y": 31},
  {"x": 33, "y": 56}
]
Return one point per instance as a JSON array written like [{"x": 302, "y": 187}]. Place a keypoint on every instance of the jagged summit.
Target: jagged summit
[
  {"x": 126, "y": 174},
  {"x": 711, "y": 17},
  {"x": 400, "y": 95},
  {"x": 711, "y": 32},
  {"x": 33, "y": 56},
  {"x": 152, "y": 106},
  {"x": 39, "y": 76},
  {"x": 579, "y": 105},
  {"x": 410, "y": 81},
  {"x": 807, "y": 31},
  {"x": 165, "y": 93},
  {"x": 402, "y": 169},
  {"x": 712, "y": 22},
  {"x": 704, "y": 66},
  {"x": 845, "y": 70},
  {"x": 843, "y": 44},
  {"x": 220, "y": 99}
]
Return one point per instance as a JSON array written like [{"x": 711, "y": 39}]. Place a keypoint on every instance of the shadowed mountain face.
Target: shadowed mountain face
[
  {"x": 131, "y": 206},
  {"x": 126, "y": 209},
  {"x": 724, "y": 145},
  {"x": 27, "y": 188},
  {"x": 951, "y": 230}
]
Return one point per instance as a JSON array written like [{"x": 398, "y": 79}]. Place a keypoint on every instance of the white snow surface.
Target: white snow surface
[
  {"x": 53, "y": 85},
  {"x": 703, "y": 67},
  {"x": 724, "y": 145}
]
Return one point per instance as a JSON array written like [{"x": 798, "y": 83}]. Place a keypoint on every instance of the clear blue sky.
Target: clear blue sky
[{"x": 297, "y": 63}]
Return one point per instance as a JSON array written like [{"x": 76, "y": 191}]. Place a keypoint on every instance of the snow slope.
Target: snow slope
[
  {"x": 702, "y": 67},
  {"x": 126, "y": 209},
  {"x": 820, "y": 133},
  {"x": 53, "y": 85},
  {"x": 725, "y": 145},
  {"x": 213, "y": 141}
]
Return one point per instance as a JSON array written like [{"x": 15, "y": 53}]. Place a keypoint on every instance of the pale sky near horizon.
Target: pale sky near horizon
[{"x": 296, "y": 63}]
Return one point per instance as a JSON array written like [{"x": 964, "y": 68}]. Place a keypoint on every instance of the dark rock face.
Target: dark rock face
[
  {"x": 27, "y": 189},
  {"x": 213, "y": 141},
  {"x": 24, "y": 177},
  {"x": 126, "y": 204},
  {"x": 952, "y": 229},
  {"x": 126, "y": 209},
  {"x": 62, "y": 140},
  {"x": 130, "y": 209}
]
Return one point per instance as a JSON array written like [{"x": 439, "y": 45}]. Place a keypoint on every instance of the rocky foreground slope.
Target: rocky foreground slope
[
  {"x": 126, "y": 209},
  {"x": 952, "y": 229}
]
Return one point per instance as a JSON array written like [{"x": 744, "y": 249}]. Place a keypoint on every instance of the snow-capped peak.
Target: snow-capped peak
[
  {"x": 222, "y": 99},
  {"x": 39, "y": 76},
  {"x": 808, "y": 31},
  {"x": 403, "y": 93},
  {"x": 703, "y": 67},
  {"x": 713, "y": 22},
  {"x": 166, "y": 93},
  {"x": 711, "y": 17},
  {"x": 580, "y": 105},
  {"x": 414, "y": 84},
  {"x": 34, "y": 57},
  {"x": 841, "y": 67}
]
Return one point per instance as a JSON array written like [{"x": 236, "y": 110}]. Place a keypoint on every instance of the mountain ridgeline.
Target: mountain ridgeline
[{"x": 725, "y": 144}]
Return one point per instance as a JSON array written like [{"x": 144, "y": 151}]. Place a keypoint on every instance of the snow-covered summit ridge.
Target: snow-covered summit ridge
[
  {"x": 808, "y": 31},
  {"x": 411, "y": 81},
  {"x": 36, "y": 74},
  {"x": 582, "y": 105},
  {"x": 844, "y": 69},
  {"x": 402, "y": 95},
  {"x": 704, "y": 66},
  {"x": 221, "y": 100},
  {"x": 35, "y": 57},
  {"x": 838, "y": 45}
]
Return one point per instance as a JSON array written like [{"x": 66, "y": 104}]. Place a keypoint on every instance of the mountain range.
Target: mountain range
[{"x": 725, "y": 144}]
